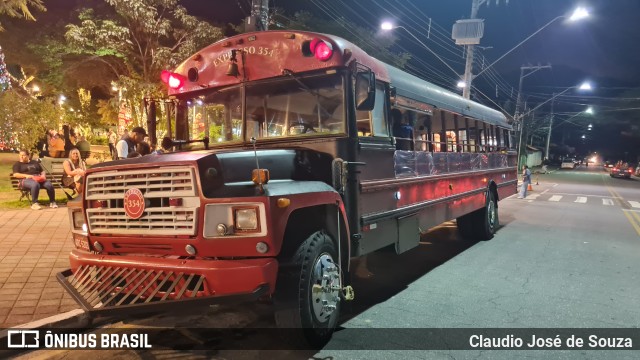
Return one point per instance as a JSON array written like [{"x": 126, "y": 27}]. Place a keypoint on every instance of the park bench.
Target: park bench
[{"x": 54, "y": 170}]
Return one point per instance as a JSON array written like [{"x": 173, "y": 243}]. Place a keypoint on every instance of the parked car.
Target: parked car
[
  {"x": 621, "y": 170},
  {"x": 568, "y": 163}
]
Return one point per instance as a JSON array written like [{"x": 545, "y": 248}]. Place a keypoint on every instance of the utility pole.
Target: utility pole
[
  {"x": 258, "y": 20},
  {"x": 531, "y": 69},
  {"x": 546, "y": 151},
  {"x": 468, "y": 67},
  {"x": 518, "y": 120}
]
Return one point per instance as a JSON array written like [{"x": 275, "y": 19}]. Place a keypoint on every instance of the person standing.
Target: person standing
[
  {"x": 112, "y": 144},
  {"x": 33, "y": 178},
  {"x": 128, "y": 142},
  {"x": 526, "y": 181}
]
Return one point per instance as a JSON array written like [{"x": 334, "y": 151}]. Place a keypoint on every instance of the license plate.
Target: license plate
[{"x": 81, "y": 242}]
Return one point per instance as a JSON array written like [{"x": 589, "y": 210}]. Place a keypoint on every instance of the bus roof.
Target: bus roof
[
  {"x": 267, "y": 54},
  {"x": 415, "y": 88}
]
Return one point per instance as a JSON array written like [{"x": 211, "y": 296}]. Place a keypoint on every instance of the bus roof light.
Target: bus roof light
[
  {"x": 173, "y": 80},
  {"x": 318, "y": 48},
  {"x": 323, "y": 51}
]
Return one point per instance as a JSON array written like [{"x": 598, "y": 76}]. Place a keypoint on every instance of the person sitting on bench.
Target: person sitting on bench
[
  {"x": 74, "y": 169},
  {"x": 32, "y": 177}
]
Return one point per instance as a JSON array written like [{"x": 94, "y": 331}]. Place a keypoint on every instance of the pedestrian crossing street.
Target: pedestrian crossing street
[{"x": 578, "y": 199}]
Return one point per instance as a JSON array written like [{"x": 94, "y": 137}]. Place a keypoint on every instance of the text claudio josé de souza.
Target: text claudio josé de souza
[{"x": 556, "y": 342}]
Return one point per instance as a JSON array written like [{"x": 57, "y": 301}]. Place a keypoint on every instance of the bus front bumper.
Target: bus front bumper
[{"x": 106, "y": 285}]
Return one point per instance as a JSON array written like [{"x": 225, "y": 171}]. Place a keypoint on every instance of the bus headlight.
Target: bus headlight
[
  {"x": 246, "y": 219},
  {"x": 78, "y": 221}
]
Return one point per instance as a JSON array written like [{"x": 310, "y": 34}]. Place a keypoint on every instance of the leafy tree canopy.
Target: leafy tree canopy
[
  {"x": 27, "y": 118},
  {"x": 20, "y": 8},
  {"x": 132, "y": 45}
]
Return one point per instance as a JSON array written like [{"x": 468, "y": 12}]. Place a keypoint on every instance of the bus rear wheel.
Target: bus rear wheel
[
  {"x": 480, "y": 224},
  {"x": 307, "y": 296}
]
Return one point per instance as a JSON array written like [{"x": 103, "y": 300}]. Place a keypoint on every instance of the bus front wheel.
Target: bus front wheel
[{"x": 307, "y": 296}]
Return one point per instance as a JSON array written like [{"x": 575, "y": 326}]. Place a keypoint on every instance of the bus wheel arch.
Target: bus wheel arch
[
  {"x": 303, "y": 222},
  {"x": 482, "y": 223}
]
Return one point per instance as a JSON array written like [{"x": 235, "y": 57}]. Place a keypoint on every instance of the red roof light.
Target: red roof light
[
  {"x": 173, "y": 80},
  {"x": 323, "y": 51},
  {"x": 318, "y": 48}
]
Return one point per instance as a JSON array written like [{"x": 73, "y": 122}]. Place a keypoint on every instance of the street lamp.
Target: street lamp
[
  {"x": 589, "y": 111},
  {"x": 387, "y": 26},
  {"x": 578, "y": 14},
  {"x": 520, "y": 118}
]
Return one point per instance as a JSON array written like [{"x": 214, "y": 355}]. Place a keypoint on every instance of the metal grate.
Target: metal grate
[
  {"x": 102, "y": 287},
  {"x": 173, "y": 182},
  {"x": 158, "y": 186},
  {"x": 157, "y": 221}
]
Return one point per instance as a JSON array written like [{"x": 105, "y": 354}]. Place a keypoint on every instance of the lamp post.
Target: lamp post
[
  {"x": 588, "y": 110},
  {"x": 578, "y": 14},
  {"x": 520, "y": 119}
]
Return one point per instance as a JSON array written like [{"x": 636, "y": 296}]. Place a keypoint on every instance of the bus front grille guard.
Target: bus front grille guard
[{"x": 108, "y": 290}]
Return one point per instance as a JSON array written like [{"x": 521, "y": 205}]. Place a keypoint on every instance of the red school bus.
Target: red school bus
[{"x": 319, "y": 154}]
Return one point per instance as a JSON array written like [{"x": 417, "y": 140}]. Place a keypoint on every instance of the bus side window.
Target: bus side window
[
  {"x": 363, "y": 123},
  {"x": 379, "y": 113},
  {"x": 376, "y": 117}
]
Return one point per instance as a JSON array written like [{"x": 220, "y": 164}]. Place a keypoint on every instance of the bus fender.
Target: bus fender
[{"x": 312, "y": 206}]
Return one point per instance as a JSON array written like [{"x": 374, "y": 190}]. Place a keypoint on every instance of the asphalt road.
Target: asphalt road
[{"x": 568, "y": 256}]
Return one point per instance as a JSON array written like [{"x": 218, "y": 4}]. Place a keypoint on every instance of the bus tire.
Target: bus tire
[
  {"x": 307, "y": 296},
  {"x": 487, "y": 221}
]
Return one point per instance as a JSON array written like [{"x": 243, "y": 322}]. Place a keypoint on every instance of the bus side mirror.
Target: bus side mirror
[{"x": 365, "y": 90}]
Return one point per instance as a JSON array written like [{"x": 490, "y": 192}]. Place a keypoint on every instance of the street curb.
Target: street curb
[{"x": 72, "y": 319}]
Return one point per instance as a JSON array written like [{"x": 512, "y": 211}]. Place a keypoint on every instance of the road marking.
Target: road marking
[
  {"x": 555, "y": 198},
  {"x": 533, "y": 196},
  {"x": 554, "y": 185},
  {"x": 589, "y": 195},
  {"x": 581, "y": 199},
  {"x": 544, "y": 192},
  {"x": 634, "y": 204},
  {"x": 607, "y": 202},
  {"x": 631, "y": 220}
]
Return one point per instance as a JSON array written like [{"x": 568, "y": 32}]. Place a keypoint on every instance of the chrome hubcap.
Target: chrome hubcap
[
  {"x": 325, "y": 291},
  {"x": 491, "y": 209}
]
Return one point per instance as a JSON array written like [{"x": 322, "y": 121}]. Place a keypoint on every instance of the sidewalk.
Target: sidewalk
[{"x": 34, "y": 247}]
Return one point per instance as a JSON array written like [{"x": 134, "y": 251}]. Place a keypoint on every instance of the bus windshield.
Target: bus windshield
[
  {"x": 287, "y": 107},
  {"x": 296, "y": 107}
]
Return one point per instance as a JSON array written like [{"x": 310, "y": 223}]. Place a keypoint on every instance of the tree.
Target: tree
[
  {"x": 5, "y": 80},
  {"x": 20, "y": 8},
  {"x": 133, "y": 46},
  {"x": 27, "y": 118}
]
